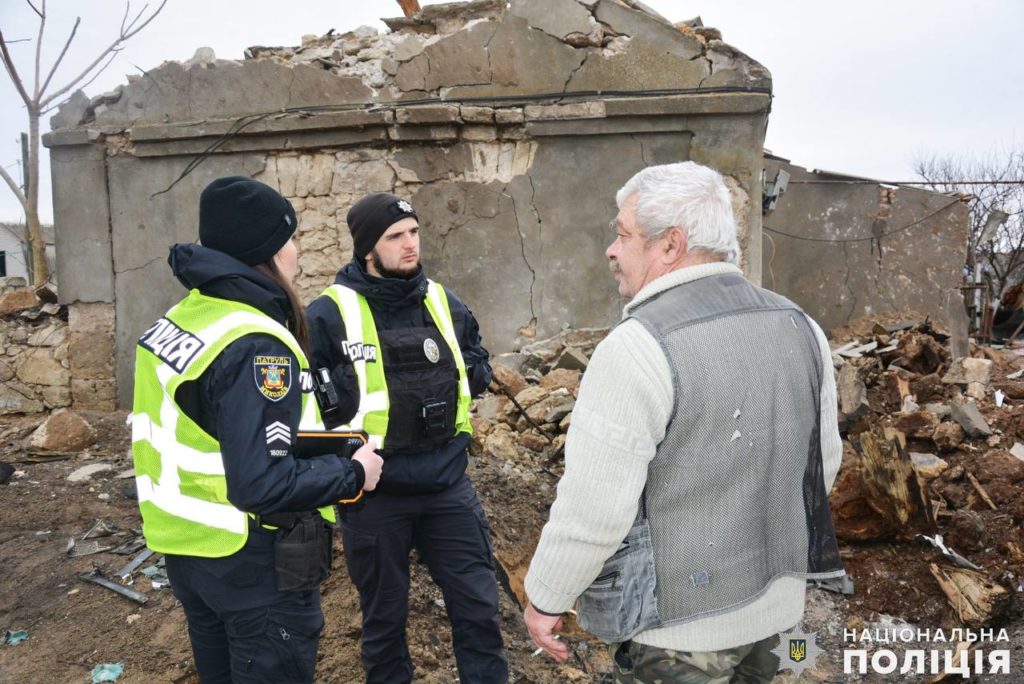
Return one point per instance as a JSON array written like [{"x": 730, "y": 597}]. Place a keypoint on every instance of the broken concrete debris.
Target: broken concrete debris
[
  {"x": 85, "y": 473},
  {"x": 894, "y": 486},
  {"x": 64, "y": 430}
]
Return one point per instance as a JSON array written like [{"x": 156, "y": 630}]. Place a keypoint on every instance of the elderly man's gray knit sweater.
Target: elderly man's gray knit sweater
[{"x": 625, "y": 402}]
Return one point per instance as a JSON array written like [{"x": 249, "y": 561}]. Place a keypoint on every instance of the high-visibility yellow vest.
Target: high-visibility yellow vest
[
  {"x": 361, "y": 330},
  {"x": 179, "y": 470}
]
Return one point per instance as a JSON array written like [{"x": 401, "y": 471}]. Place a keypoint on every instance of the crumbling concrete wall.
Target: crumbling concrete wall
[
  {"x": 856, "y": 247},
  {"x": 508, "y": 127}
]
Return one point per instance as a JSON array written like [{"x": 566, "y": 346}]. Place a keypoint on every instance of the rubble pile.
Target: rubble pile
[
  {"x": 527, "y": 412},
  {"x": 931, "y": 456},
  {"x": 928, "y": 494}
]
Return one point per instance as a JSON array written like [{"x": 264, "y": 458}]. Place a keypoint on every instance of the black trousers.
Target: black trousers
[
  {"x": 243, "y": 630},
  {"x": 451, "y": 534}
]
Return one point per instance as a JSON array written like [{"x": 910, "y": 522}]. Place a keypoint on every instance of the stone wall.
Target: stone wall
[
  {"x": 34, "y": 367},
  {"x": 53, "y": 356},
  {"x": 508, "y": 127},
  {"x": 843, "y": 247}
]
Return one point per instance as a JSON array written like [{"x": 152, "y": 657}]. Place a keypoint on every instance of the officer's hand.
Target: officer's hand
[
  {"x": 541, "y": 628},
  {"x": 372, "y": 464}
]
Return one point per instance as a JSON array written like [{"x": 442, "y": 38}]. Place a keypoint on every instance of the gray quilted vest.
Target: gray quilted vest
[{"x": 735, "y": 494}]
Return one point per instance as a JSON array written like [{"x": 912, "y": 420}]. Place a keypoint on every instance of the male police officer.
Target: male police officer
[
  {"x": 406, "y": 358},
  {"x": 693, "y": 504}
]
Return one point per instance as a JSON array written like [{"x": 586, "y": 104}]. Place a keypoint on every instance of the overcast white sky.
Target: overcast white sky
[{"x": 860, "y": 87}]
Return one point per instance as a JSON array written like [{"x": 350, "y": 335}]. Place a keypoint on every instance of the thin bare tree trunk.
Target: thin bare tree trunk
[
  {"x": 40, "y": 269},
  {"x": 41, "y": 101}
]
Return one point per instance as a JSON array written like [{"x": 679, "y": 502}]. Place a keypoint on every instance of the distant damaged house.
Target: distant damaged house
[
  {"x": 844, "y": 247},
  {"x": 508, "y": 125}
]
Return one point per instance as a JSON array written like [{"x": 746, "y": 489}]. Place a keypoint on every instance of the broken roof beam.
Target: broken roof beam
[{"x": 409, "y": 7}]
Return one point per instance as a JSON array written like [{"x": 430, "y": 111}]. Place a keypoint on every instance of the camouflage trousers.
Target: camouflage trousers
[{"x": 750, "y": 664}]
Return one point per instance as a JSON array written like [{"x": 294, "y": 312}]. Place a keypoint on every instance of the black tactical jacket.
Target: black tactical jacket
[{"x": 398, "y": 303}]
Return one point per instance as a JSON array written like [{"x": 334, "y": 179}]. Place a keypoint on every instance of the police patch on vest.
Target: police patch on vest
[
  {"x": 359, "y": 351},
  {"x": 171, "y": 344},
  {"x": 273, "y": 376},
  {"x": 430, "y": 349}
]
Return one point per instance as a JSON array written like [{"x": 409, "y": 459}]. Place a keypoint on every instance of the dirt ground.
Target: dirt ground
[{"x": 74, "y": 625}]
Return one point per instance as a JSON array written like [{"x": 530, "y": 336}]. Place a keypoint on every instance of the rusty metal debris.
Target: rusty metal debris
[
  {"x": 95, "y": 577},
  {"x": 84, "y": 548},
  {"x": 125, "y": 573}
]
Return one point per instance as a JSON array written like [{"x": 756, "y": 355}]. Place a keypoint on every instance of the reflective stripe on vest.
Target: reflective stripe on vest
[
  {"x": 361, "y": 332},
  {"x": 182, "y": 489}
]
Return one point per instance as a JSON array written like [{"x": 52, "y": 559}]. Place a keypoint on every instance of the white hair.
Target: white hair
[{"x": 687, "y": 196}]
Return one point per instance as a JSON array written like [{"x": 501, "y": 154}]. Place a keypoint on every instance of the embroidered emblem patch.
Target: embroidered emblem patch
[
  {"x": 273, "y": 376},
  {"x": 404, "y": 206},
  {"x": 430, "y": 349}
]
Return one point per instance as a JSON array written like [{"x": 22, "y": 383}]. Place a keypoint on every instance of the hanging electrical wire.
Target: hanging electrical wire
[{"x": 872, "y": 237}]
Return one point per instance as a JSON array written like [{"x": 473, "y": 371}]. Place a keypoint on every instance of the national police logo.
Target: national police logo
[
  {"x": 797, "y": 651},
  {"x": 404, "y": 206},
  {"x": 431, "y": 351},
  {"x": 273, "y": 376}
]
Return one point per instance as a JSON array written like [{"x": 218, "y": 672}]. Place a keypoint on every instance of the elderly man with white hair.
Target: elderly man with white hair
[{"x": 703, "y": 444}]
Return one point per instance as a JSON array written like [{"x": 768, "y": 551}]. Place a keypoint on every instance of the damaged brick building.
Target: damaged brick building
[
  {"x": 509, "y": 128},
  {"x": 508, "y": 125}
]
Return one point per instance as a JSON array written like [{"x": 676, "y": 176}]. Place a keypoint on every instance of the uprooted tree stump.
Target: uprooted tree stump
[
  {"x": 878, "y": 495},
  {"x": 977, "y": 600}
]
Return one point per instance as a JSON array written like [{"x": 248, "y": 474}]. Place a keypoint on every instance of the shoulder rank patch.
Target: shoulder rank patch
[{"x": 273, "y": 376}]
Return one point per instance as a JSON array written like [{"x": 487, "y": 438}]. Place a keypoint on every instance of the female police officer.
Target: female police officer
[{"x": 221, "y": 387}]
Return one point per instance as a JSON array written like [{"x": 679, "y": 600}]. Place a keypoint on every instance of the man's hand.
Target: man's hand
[
  {"x": 372, "y": 464},
  {"x": 541, "y": 628}
]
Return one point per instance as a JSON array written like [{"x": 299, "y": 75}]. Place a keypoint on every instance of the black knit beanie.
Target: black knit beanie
[
  {"x": 371, "y": 216},
  {"x": 245, "y": 219}
]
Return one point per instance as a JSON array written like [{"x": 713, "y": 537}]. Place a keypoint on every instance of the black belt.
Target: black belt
[{"x": 272, "y": 522}]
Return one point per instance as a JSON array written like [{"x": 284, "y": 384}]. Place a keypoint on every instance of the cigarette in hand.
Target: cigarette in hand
[{"x": 541, "y": 650}]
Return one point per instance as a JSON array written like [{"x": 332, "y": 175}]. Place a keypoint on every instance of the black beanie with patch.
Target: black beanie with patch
[
  {"x": 244, "y": 218},
  {"x": 371, "y": 216}
]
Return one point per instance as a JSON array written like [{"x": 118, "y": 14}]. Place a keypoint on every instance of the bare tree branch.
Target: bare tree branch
[
  {"x": 113, "y": 47},
  {"x": 13, "y": 185},
  {"x": 12, "y": 71},
  {"x": 41, "y": 102},
  {"x": 39, "y": 48},
  {"x": 60, "y": 57},
  {"x": 83, "y": 86},
  {"x": 127, "y": 8},
  {"x": 1003, "y": 190}
]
